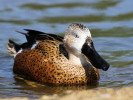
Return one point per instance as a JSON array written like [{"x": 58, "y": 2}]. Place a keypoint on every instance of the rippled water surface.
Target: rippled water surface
[{"x": 111, "y": 25}]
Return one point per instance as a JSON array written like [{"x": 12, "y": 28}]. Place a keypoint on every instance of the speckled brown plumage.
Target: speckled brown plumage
[
  {"x": 52, "y": 59},
  {"x": 47, "y": 64}
]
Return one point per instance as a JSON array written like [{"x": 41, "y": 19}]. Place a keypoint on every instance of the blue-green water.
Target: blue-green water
[{"x": 111, "y": 25}]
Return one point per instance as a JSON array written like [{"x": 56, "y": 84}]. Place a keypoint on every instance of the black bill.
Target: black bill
[{"x": 95, "y": 59}]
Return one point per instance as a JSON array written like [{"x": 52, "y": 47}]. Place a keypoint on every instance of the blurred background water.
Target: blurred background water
[{"x": 111, "y": 25}]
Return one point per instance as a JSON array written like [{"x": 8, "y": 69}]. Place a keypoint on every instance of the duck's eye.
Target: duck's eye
[{"x": 76, "y": 36}]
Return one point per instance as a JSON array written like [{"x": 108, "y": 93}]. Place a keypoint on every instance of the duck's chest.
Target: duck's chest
[{"x": 67, "y": 73}]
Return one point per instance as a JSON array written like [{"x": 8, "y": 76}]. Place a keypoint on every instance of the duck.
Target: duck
[{"x": 52, "y": 59}]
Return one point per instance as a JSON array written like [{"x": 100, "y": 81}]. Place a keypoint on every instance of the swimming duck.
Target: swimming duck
[{"x": 52, "y": 59}]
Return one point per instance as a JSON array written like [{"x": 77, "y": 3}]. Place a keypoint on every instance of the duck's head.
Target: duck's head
[{"x": 78, "y": 41}]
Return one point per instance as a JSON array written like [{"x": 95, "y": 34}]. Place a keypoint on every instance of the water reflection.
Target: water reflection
[{"x": 39, "y": 89}]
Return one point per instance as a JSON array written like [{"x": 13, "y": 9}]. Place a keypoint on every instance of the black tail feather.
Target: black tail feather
[{"x": 34, "y": 35}]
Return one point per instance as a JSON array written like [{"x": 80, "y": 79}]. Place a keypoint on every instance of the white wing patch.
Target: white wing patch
[
  {"x": 18, "y": 52},
  {"x": 34, "y": 45}
]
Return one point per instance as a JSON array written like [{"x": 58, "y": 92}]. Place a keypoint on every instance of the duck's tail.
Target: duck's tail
[
  {"x": 31, "y": 36},
  {"x": 12, "y": 48}
]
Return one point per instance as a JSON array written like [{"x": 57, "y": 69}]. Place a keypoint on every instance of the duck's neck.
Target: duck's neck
[{"x": 77, "y": 59}]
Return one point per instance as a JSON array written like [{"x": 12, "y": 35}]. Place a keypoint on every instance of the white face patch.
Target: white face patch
[{"x": 75, "y": 38}]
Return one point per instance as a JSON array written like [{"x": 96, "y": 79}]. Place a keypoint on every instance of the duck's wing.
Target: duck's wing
[{"x": 32, "y": 37}]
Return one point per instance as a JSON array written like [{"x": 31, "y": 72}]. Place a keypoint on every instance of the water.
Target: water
[{"x": 111, "y": 25}]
